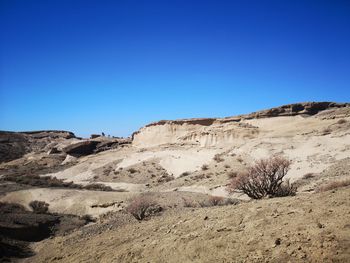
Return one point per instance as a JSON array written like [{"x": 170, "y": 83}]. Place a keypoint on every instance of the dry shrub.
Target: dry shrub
[
  {"x": 185, "y": 174},
  {"x": 205, "y": 167},
  {"x": 308, "y": 176},
  {"x": 132, "y": 170},
  {"x": 262, "y": 179},
  {"x": 218, "y": 158},
  {"x": 142, "y": 207},
  {"x": 341, "y": 121},
  {"x": 333, "y": 185},
  {"x": 188, "y": 202},
  {"x": 326, "y": 131},
  {"x": 98, "y": 187},
  {"x": 39, "y": 207},
  {"x": 286, "y": 189},
  {"x": 227, "y": 166},
  {"x": 231, "y": 175},
  {"x": 215, "y": 200}
]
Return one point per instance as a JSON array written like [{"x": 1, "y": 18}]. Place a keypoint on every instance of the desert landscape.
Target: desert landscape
[{"x": 174, "y": 191}]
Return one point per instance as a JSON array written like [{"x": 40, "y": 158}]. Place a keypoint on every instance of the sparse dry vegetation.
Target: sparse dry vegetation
[
  {"x": 333, "y": 185},
  {"x": 232, "y": 175},
  {"x": 308, "y": 176},
  {"x": 264, "y": 178},
  {"x": 98, "y": 187},
  {"x": 341, "y": 121},
  {"x": 39, "y": 207},
  {"x": 215, "y": 200},
  {"x": 205, "y": 167},
  {"x": 218, "y": 158},
  {"x": 142, "y": 207}
]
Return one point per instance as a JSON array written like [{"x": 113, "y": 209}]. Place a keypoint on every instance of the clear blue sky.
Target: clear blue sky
[{"x": 114, "y": 66}]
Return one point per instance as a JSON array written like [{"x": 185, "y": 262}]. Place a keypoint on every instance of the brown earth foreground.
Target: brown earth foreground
[{"x": 304, "y": 228}]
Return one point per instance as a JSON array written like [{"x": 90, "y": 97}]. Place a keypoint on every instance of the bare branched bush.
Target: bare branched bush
[
  {"x": 286, "y": 189},
  {"x": 39, "y": 207},
  {"x": 333, "y": 185},
  {"x": 262, "y": 179},
  {"x": 142, "y": 207}
]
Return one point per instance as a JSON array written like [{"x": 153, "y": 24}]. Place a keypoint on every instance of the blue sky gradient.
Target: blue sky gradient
[{"x": 114, "y": 66}]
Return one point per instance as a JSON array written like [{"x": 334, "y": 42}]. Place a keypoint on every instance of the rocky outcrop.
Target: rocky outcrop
[
  {"x": 216, "y": 131},
  {"x": 81, "y": 148},
  {"x": 94, "y": 146},
  {"x": 14, "y": 145},
  {"x": 305, "y": 109}
]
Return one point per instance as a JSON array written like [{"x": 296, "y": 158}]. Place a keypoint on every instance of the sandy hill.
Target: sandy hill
[{"x": 182, "y": 163}]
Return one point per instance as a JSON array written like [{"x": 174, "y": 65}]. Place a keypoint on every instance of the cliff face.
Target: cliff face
[{"x": 220, "y": 131}]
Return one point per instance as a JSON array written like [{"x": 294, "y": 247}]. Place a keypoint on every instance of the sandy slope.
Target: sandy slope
[{"x": 307, "y": 228}]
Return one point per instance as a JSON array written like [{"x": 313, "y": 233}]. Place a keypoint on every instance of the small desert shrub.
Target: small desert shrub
[
  {"x": 215, "y": 200},
  {"x": 185, "y": 174},
  {"x": 308, "y": 176},
  {"x": 218, "y": 158},
  {"x": 188, "y": 202},
  {"x": 333, "y": 185},
  {"x": 39, "y": 207},
  {"x": 98, "y": 187},
  {"x": 132, "y": 170},
  {"x": 142, "y": 207},
  {"x": 227, "y": 166},
  {"x": 164, "y": 178},
  {"x": 231, "y": 175},
  {"x": 240, "y": 159},
  {"x": 341, "y": 121},
  {"x": 262, "y": 179},
  {"x": 205, "y": 167},
  {"x": 286, "y": 189},
  {"x": 326, "y": 131}
]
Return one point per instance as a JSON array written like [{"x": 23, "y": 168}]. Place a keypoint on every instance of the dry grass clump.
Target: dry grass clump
[
  {"x": 341, "y": 121},
  {"x": 205, "y": 167},
  {"x": 264, "y": 178},
  {"x": 39, "y": 207},
  {"x": 188, "y": 202},
  {"x": 215, "y": 200},
  {"x": 98, "y": 187},
  {"x": 308, "y": 176},
  {"x": 333, "y": 185},
  {"x": 185, "y": 174},
  {"x": 132, "y": 170},
  {"x": 218, "y": 158},
  {"x": 142, "y": 207},
  {"x": 326, "y": 131},
  {"x": 232, "y": 175},
  {"x": 218, "y": 201}
]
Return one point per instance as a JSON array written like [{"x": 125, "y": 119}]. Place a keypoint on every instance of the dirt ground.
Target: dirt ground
[{"x": 305, "y": 228}]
